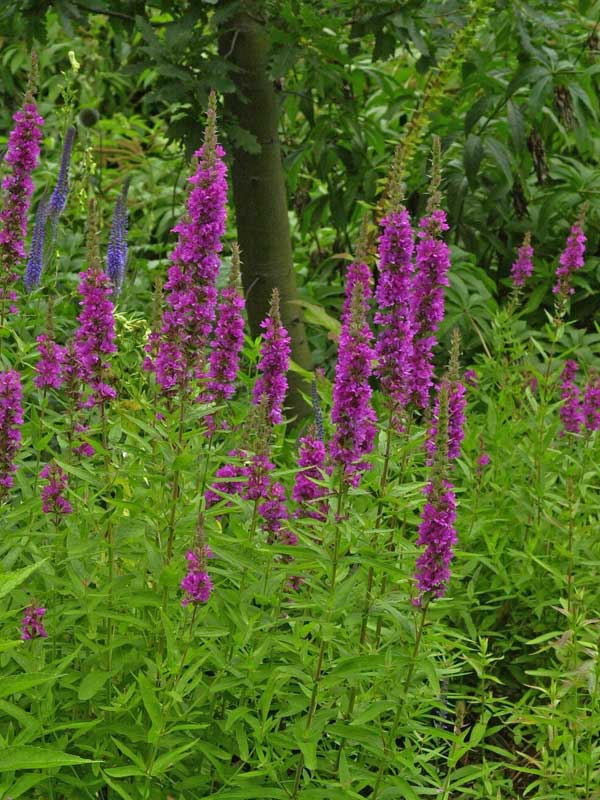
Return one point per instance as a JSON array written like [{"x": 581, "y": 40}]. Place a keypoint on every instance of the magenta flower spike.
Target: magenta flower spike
[
  {"x": 571, "y": 260},
  {"x": 94, "y": 340},
  {"x": 430, "y": 280},
  {"x": 227, "y": 343},
  {"x": 49, "y": 369},
  {"x": 54, "y": 501},
  {"x": 197, "y": 585},
  {"x": 394, "y": 315},
  {"x": 571, "y": 412},
  {"x": 352, "y": 412},
  {"x": 22, "y": 156},
  {"x": 591, "y": 403},
  {"x": 271, "y": 385},
  {"x": 177, "y": 354},
  {"x": 11, "y": 419},
  {"x": 32, "y": 626},
  {"x": 307, "y": 491},
  {"x": 522, "y": 269}
]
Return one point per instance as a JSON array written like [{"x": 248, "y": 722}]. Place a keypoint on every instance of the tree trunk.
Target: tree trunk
[{"x": 260, "y": 195}]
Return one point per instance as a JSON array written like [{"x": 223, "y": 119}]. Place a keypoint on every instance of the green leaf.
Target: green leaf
[
  {"x": 21, "y": 683},
  {"x": 26, "y": 757},
  {"x": 472, "y": 156},
  {"x": 516, "y": 125},
  {"x": 152, "y": 706},
  {"x": 10, "y": 580},
  {"x": 91, "y": 684}
]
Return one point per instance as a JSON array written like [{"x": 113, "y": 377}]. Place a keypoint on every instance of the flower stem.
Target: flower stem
[{"x": 394, "y": 727}]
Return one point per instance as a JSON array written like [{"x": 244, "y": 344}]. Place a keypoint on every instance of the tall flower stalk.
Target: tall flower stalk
[
  {"x": 571, "y": 260},
  {"x": 271, "y": 385},
  {"x": 177, "y": 353},
  {"x": 58, "y": 198},
  {"x": 352, "y": 412},
  {"x": 431, "y": 277},
  {"x": 11, "y": 420},
  {"x": 117, "y": 251},
  {"x": 17, "y": 187}
]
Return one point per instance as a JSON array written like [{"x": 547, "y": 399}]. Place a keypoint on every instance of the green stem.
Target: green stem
[
  {"x": 320, "y": 658},
  {"x": 393, "y": 730}
]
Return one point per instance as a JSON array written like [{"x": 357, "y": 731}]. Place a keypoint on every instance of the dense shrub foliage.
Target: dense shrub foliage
[{"x": 201, "y": 598}]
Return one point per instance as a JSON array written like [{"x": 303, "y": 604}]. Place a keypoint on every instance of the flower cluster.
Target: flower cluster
[
  {"x": 196, "y": 584},
  {"x": 58, "y": 198},
  {"x": 456, "y": 393},
  {"x": 431, "y": 276},
  {"x": 571, "y": 411},
  {"x": 32, "y": 625},
  {"x": 307, "y": 492},
  {"x": 22, "y": 156},
  {"x": 352, "y": 412},
  {"x": 11, "y": 419},
  {"x": 591, "y": 403},
  {"x": 394, "y": 315},
  {"x": 177, "y": 354},
  {"x": 35, "y": 259},
  {"x": 571, "y": 260},
  {"x": 53, "y": 500},
  {"x": 50, "y": 366},
  {"x": 228, "y": 339},
  {"x": 522, "y": 269},
  {"x": 438, "y": 534},
  {"x": 94, "y": 339},
  {"x": 271, "y": 385},
  {"x": 116, "y": 253}
]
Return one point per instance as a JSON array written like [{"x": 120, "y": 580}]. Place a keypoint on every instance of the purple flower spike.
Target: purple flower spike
[
  {"x": 197, "y": 585},
  {"x": 53, "y": 500},
  {"x": 307, "y": 491},
  {"x": 94, "y": 340},
  {"x": 431, "y": 276},
  {"x": 228, "y": 338},
  {"x": 352, "y": 412},
  {"x": 394, "y": 315},
  {"x": 35, "y": 260},
  {"x": 271, "y": 385},
  {"x": 438, "y": 534},
  {"x": 571, "y": 412},
  {"x": 32, "y": 626},
  {"x": 571, "y": 260},
  {"x": 22, "y": 156},
  {"x": 591, "y": 403},
  {"x": 456, "y": 419},
  {"x": 50, "y": 367},
  {"x": 11, "y": 419},
  {"x": 177, "y": 354},
  {"x": 522, "y": 269},
  {"x": 58, "y": 198},
  {"x": 116, "y": 254}
]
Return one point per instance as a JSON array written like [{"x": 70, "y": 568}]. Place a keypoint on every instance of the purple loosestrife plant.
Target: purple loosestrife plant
[
  {"x": 431, "y": 276},
  {"x": 307, "y": 491},
  {"x": 571, "y": 260},
  {"x": 22, "y": 156},
  {"x": 591, "y": 403},
  {"x": 11, "y": 419},
  {"x": 271, "y": 385},
  {"x": 35, "y": 259},
  {"x": 437, "y": 531},
  {"x": 49, "y": 369},
  {"x": 94, "y": 340},
  {"x": 32, "y": 625},
  {"x": 58, "y": 198},
  {"x": 522, "y": 269},
  {"x": 190, "y": 290},
  {"x": 116, "y": 254},
  {"x": 229, "y": 336},
  {"x": 394, "y": 316},
  {"x": 197, "y": 585},
  {"x": 456, "y": 396},
  {"x": 57, "y": 483},
  {"x": 352, "y": 412},
  {"x": 571, "y": 411}
]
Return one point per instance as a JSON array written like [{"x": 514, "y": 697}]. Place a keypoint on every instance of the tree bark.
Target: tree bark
[{"x": 260, "y": 195}]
